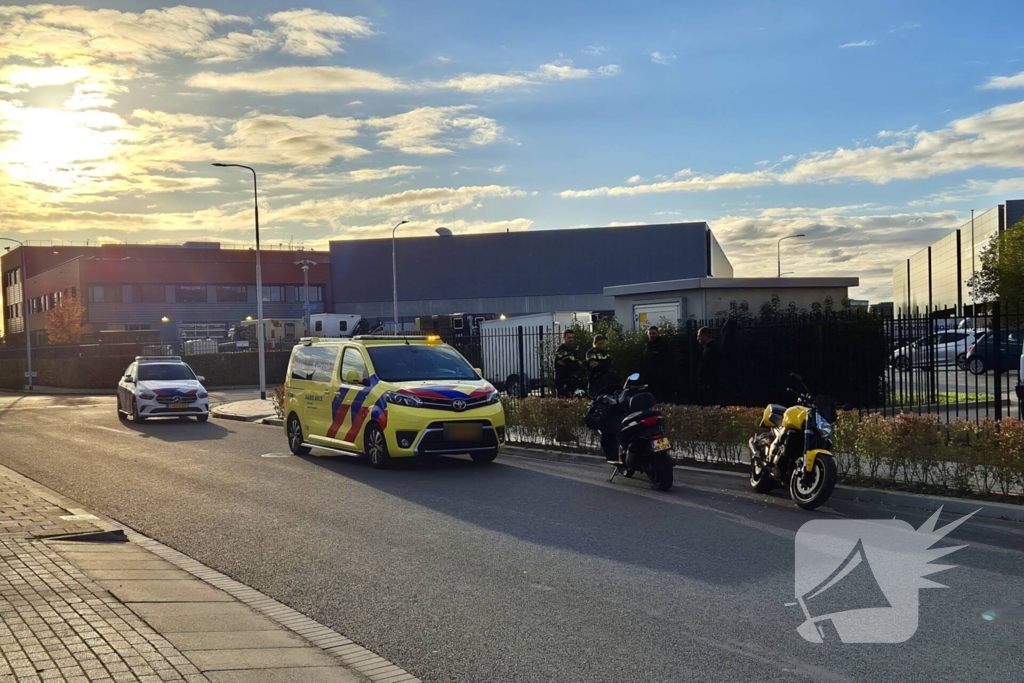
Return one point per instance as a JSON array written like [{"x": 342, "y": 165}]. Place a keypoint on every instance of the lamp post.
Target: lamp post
[
  {"x": 394, "y": 273},
  {"x": 305, "y": 264},
  {"x": 24, "y": 310},
  {"x": 778, "y": 248},
  {"x": 259, "y": 282}
]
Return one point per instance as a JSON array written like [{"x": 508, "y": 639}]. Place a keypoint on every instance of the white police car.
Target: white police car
[{"x": 161, "y": 386}]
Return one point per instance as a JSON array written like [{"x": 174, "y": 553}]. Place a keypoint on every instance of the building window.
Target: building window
[
  {"x": 232, "y": 293},
  {"x": 318, "y": 325},
  {"x": 273, "y": 293},
  {"x": 150, "y": 294},
  {"x": 316, "y": 293},
  {"x": 104, "y": 294},
  {"x": 190, "y": 294}
]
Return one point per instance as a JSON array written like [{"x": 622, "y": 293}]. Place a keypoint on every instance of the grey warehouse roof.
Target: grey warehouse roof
[{"x": 731, "y": 283}]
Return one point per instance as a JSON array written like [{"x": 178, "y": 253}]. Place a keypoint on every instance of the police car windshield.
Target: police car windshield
[
  {"x": 418, "y": 363},
  {"x": 164, "y": 372}
]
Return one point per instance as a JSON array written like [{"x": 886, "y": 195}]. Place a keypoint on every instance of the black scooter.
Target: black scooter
[{"x": 632, "y": 432}]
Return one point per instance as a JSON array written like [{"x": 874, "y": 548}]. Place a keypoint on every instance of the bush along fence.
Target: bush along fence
[{"x": 917, "y": 453}]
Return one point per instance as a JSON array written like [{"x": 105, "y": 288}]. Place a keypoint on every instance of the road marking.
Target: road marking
[
  {"x": 276, "y": 455},
  {"x": 77, "y": 518},
  {"x": 110, "y": 429}
]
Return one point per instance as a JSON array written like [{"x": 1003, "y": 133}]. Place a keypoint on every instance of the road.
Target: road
[{"x": 522, "y": 571}]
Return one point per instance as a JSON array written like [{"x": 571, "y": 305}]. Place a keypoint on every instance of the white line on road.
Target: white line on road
[{"x": 111, "y": 429}]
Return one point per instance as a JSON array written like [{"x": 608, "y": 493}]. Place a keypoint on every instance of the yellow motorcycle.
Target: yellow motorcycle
[{"x": 797, "y": 449}]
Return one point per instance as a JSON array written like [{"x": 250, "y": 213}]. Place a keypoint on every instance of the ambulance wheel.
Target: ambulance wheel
[
  {"x": 376, "y": 448},
  {"x": 295, "y": 438}
]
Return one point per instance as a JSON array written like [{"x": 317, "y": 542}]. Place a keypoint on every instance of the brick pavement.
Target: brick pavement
[{"x": 131, "y": 609}]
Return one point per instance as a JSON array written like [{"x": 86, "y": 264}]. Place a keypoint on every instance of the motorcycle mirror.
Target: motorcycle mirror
[
  {"x": 797, "y": 377},
  {"x": 634, "y": 377}
]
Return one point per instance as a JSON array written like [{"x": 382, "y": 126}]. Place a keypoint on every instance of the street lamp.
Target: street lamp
[
  {"x": 305, "y": 264},
  {"x": 394, "y": 273},
  {"x": 259, "y": 282},
  {"x": 24, "y": 309},
  {"x": 779, "y": 249}
]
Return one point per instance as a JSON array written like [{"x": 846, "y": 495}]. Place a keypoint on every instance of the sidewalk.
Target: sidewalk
[
  {"x": 84, "y": 599},
  {"x": 255, "y": 410}
]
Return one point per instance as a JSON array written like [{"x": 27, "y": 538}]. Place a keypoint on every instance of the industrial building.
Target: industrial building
[
  {"x": 651, "y": 303},
  {"x": 519, "y": 272},
  {"x": 934, "y": 280},
  {"x": 193, "y": 291}
]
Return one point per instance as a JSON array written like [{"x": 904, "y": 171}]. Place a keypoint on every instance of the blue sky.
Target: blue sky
[{"x": 874, "y": 127}]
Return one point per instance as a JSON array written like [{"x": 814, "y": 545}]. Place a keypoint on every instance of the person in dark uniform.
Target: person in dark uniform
[
  {"x": 567, "y": 365},
  {"x": 598, "y": 362},
  {"x": 656, "y": 365},
  {"x": 708, "y": 370}
]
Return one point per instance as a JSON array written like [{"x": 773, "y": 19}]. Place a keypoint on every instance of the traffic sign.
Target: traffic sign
[{"x": 32, "y": 374}]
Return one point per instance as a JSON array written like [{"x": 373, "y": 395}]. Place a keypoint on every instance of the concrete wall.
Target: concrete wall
[{"x": 703, "y": 304}]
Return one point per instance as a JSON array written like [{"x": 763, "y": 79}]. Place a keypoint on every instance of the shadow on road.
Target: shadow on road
[
  {"x": 579, "y": 517},
  {"x": 177, "y": 429}
]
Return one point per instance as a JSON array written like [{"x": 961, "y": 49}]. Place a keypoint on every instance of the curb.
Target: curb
[
  {"x": 916, "y": 501},
  {"x": 272, "y": 421},
  {"x": 352, "y": 657},
  {"x": 221, "y": 415}
]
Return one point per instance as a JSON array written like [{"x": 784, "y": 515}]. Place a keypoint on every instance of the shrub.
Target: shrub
[{"x": 277, "y": 398}]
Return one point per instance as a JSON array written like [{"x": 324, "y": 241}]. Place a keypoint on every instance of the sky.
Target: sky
[{"x": 871, "y": 127}]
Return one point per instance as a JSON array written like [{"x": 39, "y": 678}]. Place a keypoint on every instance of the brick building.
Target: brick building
[{"x": 199, "y": 288}]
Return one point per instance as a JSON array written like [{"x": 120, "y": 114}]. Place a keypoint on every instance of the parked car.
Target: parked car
[
  {"x": 944, "y": 348},
  {"x": 385, "y": 397},
  {"x": 985, "y": 354},
  {"x": 161, "y": 386}
]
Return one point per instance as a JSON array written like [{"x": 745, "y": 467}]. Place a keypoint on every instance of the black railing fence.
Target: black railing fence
[{"x": 956, "y": 368}]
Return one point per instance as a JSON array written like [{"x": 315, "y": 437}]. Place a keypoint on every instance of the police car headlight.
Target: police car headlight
[
  {"x": 403, "y": 399},
  {"x": 202, "y": 394},
  {"x": 825, "y": 428},
  {"x": 146, "y": 396}
]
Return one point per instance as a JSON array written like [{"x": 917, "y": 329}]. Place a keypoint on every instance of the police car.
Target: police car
[{"x": 161, "y": 386}]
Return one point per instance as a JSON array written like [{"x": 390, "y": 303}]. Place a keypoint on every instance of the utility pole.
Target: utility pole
[{"x": 305, "y": 264}]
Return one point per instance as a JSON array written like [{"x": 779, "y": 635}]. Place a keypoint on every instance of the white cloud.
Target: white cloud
[
  {"x": 296, "y": 141},
  {"x": 1004, "y": 82},
  {"x": 443, "y": 59},
  {"x": 355, "y": 103},
  {"x": 990, "y": 139},
  {"x": 634, "y": 179},
  {"x": 562, "y": 70},
  {"x": 664, "y": 58},
  {"x": 312, "y": 33},
  {"x": 594, "y": 50},
  {"x": 435, "y": 130},
  {"x": 367, "y": 174},
  {"x": 497, "y": 169},
  {"x": 861, "y": 43},
  {"x": 898, "y": 134},
  {"x": 297, "y": 79}
]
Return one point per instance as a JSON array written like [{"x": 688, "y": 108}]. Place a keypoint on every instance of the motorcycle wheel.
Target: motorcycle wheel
[
  {"x": 760, "y": 475},
  {"x": 660, "y": 472},
  {"x": 810, "y": 491}
]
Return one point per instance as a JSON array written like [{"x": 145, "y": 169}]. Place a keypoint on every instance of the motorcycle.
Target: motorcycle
[
  {"x": 632, "y": 433},
  {"x": 797, "y": 449}
]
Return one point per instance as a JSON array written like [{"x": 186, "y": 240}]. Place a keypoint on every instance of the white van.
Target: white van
[{"x": 500, "y": 358}]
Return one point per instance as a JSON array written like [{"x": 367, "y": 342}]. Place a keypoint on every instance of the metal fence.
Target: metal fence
[{"x": 955, "y": 368}]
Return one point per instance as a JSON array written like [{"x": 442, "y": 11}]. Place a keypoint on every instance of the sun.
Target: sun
[{"x": 56, "y": 149}]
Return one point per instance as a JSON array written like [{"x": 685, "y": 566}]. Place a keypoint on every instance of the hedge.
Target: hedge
[{"x": 909, "y": 452}]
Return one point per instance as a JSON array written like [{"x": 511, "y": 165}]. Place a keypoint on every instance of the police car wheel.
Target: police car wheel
[
  {"x": 376, "y": 448},
  {"x": 295, "y": 437},
  {"x": 203, "y": 418},
  {"x": 121, "y": 415},
  {"x": 135, "y": 412}
]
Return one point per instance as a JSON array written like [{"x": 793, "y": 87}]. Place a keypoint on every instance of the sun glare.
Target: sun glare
[{"x": 59, "y": 149}]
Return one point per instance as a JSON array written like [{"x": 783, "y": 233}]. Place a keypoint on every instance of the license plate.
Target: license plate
[
  {"x": 178, "y": 406},
  {"x": 660, "y": 445},
  {"x": 463, "y": 432}
]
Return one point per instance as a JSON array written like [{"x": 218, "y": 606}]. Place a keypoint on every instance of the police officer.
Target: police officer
[
  {"x": 598, "y": 362},
  {"x": 567, "y": 364}
]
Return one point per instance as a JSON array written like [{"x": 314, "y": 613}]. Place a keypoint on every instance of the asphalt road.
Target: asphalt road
[{"x": 520, "y": 571}]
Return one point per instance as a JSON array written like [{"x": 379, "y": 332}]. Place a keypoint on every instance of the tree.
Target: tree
[
  {"x": 1001, "y": 276},
  {"x": 65, "y": 324}
]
